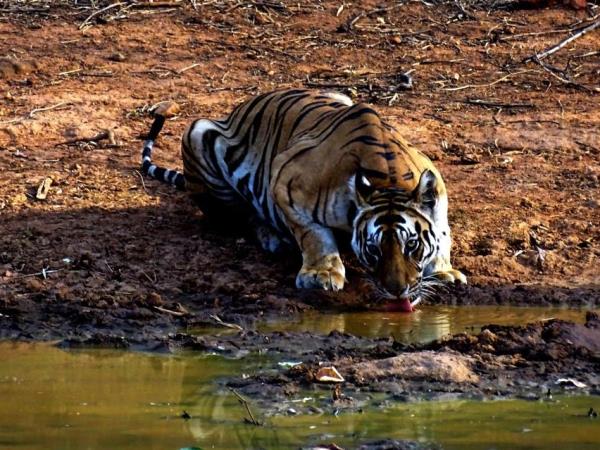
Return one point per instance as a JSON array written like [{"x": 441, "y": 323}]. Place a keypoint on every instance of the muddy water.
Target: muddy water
[
  {"x": 424, "y": 325},
  {"x": 52, "y": 399}
]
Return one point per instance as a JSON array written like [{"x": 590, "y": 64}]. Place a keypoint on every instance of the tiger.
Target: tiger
[{"x": 307, "y": 164}]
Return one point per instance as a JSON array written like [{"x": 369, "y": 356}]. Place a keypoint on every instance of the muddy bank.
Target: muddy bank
[
  {"x": 533, "y": 362},
  {"x": 144, "y": 321}
]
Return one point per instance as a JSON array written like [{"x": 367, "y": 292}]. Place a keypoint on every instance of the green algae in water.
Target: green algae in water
[{"x": 52, "y": 399}]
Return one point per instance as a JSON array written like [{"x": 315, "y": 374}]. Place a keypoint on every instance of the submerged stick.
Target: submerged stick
[{"x": 246, "y": 405}]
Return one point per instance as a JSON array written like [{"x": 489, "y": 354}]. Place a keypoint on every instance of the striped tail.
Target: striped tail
[{"x": 172, "y": 177}]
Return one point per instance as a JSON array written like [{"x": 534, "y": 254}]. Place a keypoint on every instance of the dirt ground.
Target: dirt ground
[{"x": 110, "y": 252}]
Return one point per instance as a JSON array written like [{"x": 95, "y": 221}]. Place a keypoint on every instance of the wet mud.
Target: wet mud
[{"x": 532, "y": 362}]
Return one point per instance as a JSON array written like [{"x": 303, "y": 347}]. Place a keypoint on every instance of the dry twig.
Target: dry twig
[
  {"x": 499, "y": 80},
  {"x": 33, "y": 112}
]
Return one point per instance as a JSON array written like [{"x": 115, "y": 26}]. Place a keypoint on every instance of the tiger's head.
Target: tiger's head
[{"x": 394, "y": 235}]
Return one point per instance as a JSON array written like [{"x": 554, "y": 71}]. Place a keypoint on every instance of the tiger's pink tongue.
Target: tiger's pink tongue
[{"x": 402, "y": 305}]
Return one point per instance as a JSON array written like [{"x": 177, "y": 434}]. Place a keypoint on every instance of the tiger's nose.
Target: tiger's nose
[{"x": 396, "y": 287}]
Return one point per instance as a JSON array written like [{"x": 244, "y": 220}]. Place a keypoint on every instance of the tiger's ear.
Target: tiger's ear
[
  {"x": 362, "y": 185},
  {"x": 426, "y": 194}
]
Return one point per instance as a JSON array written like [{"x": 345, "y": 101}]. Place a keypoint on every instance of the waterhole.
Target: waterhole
[{"x": 107, "y": 399}]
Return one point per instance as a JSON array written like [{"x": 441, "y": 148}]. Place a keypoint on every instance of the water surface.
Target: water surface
[
  {"x": 99, "y": 399},
  {"x": 425, "y": 324}
]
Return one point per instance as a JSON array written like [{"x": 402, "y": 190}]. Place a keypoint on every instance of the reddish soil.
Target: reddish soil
[{"x": 108, "y": 251}]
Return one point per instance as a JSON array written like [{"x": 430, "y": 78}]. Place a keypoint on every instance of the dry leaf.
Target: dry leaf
[
  {"x": 43, "y": 188},
  {"x": 329, "y": 375}
]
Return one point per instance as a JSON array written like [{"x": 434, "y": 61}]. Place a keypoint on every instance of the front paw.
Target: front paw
[
  {"x": 451, "y": 276},
  {"x": 328, "y": 273}
]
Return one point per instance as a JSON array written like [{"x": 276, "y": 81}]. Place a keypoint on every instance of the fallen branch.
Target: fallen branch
[
  {"x": 233, "y": 326},
  {"x": 33, "y": 112},
  {"x": 492, "y": 104},
  {"x": 561, "y": 76},
  {"x": 44, "y": 273},
  {"x": 582, "y": 32},
  {"x": 104, "y": 134},
  {"x": 97, "y": 13},
  {"x": 169, "y": 311},
  {"x": 191, "y": 66}
]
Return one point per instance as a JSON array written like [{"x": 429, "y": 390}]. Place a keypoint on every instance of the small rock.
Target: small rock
[
  {"x": 470, "y": 158},
  {"x": 525, "y": 202},
  {"x": 118, "y": 57},
  {"x": 570, "y": 382},
  {"x": 154, "y": 299}
]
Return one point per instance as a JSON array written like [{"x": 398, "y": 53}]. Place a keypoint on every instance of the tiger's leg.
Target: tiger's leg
[
  {"x": 322, "y": 267},
  {"x": 441, "y": 267}
]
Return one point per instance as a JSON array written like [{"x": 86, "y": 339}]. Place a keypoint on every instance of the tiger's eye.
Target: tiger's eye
[{"x": 412, "y": 244}]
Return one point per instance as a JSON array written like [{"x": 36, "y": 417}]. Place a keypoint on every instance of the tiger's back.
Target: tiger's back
[{"x": 299, "y": 145}]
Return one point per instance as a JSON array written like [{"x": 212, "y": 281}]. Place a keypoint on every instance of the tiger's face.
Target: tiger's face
[{"x": 394, "y": 236}]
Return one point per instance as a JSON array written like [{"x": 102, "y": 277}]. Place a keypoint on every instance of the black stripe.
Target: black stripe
[
  {"x": 351, "y": 214},
  {"x": 188, "y": 137},
  {"x": 426, "y": 237},
  {"x": 285, "y": 104},
  {"x": 388, "y": 156},
  {"x": 305, "y": 111},
  {"x": 418, "y": 227},
  {"x": 389, "y": 219},
  {"x": 251, "y": 106},
  {"x": 353, "y": 115},
  {"x": 159, "y": 173},
  {"x": 157, "y": 125},
  {"x": 366, "y": 139},
  {"x": 315, "y": 212},
  {"x": 324, "y": 209},
  {"x": 302, "y": 237},
  {"x": 179, "y": 181},
  {"x": 319, "y": 121}
]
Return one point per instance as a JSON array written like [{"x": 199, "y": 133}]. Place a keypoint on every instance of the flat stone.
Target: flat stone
[{"x": 424, "y": 365}]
